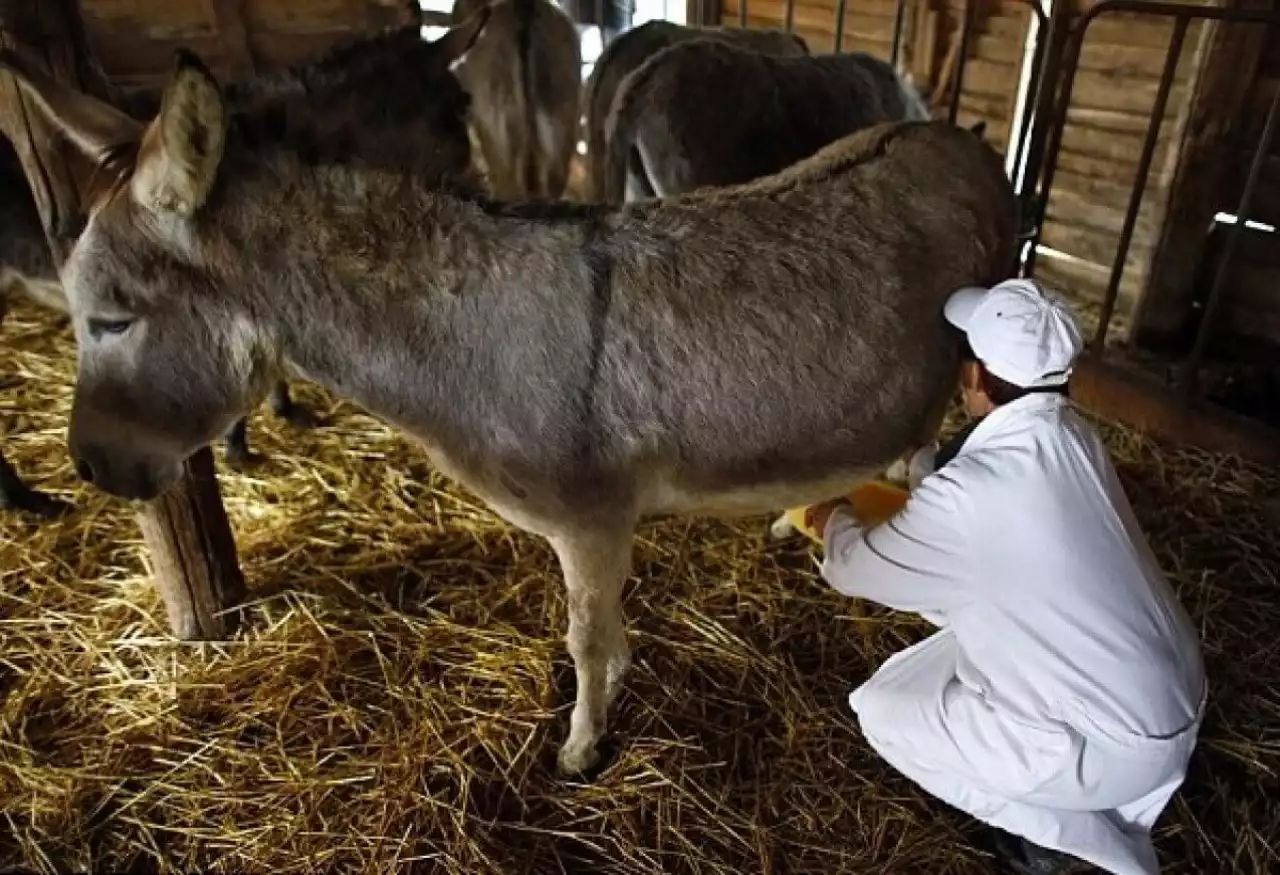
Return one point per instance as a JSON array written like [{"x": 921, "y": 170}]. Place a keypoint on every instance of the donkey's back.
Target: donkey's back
[
  {"x": 678, "y": 124},
  {"x": 764, "y": 345}
]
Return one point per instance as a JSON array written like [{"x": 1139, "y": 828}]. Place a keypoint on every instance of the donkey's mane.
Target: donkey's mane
[{"x": 337, "y": 62}]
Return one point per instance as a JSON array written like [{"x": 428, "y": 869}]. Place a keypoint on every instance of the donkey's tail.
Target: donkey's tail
[
  {"x": 620, "y": 126},
  {"x": 915, "y": 108},
  {"x": 526, "y": 168}
]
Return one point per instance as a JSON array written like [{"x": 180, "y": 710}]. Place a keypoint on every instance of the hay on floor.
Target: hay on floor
[{"x": 398, "y": 696}]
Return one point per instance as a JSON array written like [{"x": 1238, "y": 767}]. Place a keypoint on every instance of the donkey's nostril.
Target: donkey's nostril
[{"x": 84, "y": 470}]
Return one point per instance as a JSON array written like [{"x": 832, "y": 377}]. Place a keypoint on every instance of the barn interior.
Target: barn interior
[{"x": 395, "y": 690}]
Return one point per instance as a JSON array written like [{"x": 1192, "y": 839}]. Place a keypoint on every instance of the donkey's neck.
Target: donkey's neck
[{"x": 421, "y": 307}]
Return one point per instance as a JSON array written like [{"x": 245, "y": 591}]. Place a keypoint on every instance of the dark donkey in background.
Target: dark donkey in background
[
  {"x": 523, "y": 74},
  {"x": 578, "y": 367},
  {"x": 357, "y": 109},
  {"x": 629, "y": 51},
  {"x": 711, "y": 113}
]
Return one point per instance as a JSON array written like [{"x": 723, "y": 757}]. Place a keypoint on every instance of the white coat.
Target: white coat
[{"x": 1062, "y": 697}]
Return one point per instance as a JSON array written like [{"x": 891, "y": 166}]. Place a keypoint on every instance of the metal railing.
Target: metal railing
[{"x": 1183, "y": 16}]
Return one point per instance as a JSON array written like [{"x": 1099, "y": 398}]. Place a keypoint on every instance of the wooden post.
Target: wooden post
[
  {"x": 229, "y": 18},
  {"x": 1225, "y": 75},
  {"x": 187, "y": 532}
]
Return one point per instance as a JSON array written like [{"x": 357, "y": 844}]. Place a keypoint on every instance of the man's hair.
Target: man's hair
[{"x": 1001, "y": 391}]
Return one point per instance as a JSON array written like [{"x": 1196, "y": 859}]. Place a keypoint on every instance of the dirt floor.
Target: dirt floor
[{"x": 397, "y": 698}]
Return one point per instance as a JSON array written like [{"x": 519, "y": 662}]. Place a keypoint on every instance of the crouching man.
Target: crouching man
[{"x": 1061, "y": 699}]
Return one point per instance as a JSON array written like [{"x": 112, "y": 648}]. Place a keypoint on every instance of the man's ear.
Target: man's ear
[{"x": 182, "y": 148}]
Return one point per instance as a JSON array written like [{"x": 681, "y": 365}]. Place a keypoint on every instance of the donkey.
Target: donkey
[
  {"x": 626, "y": 53},
  {"x": 578, "y": 367},
  {"x": 353, "y": 116},
  {"x": 678, "y": 122},
  {"x": 524, "y": 76}
]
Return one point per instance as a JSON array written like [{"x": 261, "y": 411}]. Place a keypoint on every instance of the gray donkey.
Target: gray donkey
[
  {"x": 524, "y": 75},
  {"x": 710, "y": 113},
  {"x": 629, "y": 51},
  {"x": 577, "y": 367},
  {"x": 355, "y": 110}
]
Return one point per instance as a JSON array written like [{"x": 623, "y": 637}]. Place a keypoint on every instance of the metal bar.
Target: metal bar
[
  {"x": 1191, "y": 367},
  {"x": 791, "y": 16},
  {"x": 970, "y": 13},
  {"x": 742, "y": 13},
  {"x": 899, "y": 19},
  {"x": 1056, "y": 125},
  {"x": 1140, "y": 182},
  {"x": 1043, "y": 34},
  {"x": 840, "y": 8}
]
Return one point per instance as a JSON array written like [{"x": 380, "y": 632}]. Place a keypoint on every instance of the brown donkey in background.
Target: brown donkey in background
[
  {"x": 363, "y": 102},
  {"x": 629, "y": 51},
  {"x": 577, "y": 367},
  {"x": 711, "y": 113}
]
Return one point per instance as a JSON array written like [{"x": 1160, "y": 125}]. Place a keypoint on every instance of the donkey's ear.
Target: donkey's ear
[
  {"x": 181, "y": 150},
  {"x": 459, "y": 40},
  {"x": 94, "y": 128},
  {"x": 979, "y": 129}
]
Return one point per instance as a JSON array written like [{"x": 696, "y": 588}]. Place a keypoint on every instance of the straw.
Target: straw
[{"x": 397, "y": 697}]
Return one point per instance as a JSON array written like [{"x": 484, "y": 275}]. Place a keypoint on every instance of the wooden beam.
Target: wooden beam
[
  {"x": 228, "y": 16},
  {"x": 1226, "y": 73},
  {"x": 187, "y": 531},
  {"x": 1145, "y": 404}
]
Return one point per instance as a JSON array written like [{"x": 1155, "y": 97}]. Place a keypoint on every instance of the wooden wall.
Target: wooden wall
[{"x": 134, "y": 39}]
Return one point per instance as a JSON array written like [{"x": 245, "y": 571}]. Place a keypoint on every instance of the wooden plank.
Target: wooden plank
[
  {"x": 1096, "y": 247},
  {"x": 147, "y": 19},
  {"x": 276, "y": 50},
  {"x": 139, "y": 60},
  {"x": 272, "y": 16},
  {"x": 229, "y": 16},
  {"x": 773, "y": 14}
]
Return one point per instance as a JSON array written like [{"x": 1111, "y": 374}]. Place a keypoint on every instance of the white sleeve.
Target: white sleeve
[{"x": 913, "y": 562}]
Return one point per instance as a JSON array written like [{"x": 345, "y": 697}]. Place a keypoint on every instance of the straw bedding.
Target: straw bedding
[{"x": 397, "y": 697}]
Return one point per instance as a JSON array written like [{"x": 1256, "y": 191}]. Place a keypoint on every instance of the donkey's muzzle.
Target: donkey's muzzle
[{"x": 136, "y": 479}]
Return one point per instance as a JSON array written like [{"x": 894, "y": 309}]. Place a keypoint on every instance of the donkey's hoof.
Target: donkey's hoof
[
  {"x": 244, "y": 460},
  {"x": 300, "y": 417},
  {"x": 577, "y": 761},
  {"x": 897, "y": 473},
  {"x": 782, "y": 528},
  {"x": 37, "y": 503}
]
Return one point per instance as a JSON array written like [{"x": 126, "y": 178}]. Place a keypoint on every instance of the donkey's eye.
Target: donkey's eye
[{"x": 101, "y": 327}]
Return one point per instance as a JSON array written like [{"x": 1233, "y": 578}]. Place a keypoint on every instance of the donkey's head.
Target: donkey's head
[{"x": 169, "y": 354}]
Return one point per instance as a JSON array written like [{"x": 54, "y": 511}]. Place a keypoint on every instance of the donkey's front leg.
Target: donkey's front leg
[
  {"x": 239, "y": 456},
  {"x": 595, "y": 565}
]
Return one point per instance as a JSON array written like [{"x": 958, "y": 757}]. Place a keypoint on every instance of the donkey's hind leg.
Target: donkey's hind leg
[
  {"x": 595, "y": 565},
  {"x": 283, "y": 406},
  {"x": 16, "y": 495}
]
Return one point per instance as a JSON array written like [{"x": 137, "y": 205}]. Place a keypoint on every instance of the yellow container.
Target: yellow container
[{"x": 873, "y": 502}]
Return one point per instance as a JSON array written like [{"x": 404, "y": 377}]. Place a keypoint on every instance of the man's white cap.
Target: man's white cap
[{"x": 1019, "y": 333}]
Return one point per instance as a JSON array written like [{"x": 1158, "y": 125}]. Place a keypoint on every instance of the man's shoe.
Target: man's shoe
[{"x": 1024, "y": 858}]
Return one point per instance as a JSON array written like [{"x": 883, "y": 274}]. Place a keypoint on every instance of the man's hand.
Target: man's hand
[{"x": 816, "y": 516}]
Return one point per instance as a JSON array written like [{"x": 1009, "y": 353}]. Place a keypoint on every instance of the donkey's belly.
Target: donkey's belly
[{"x": 667, "y": 496}]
